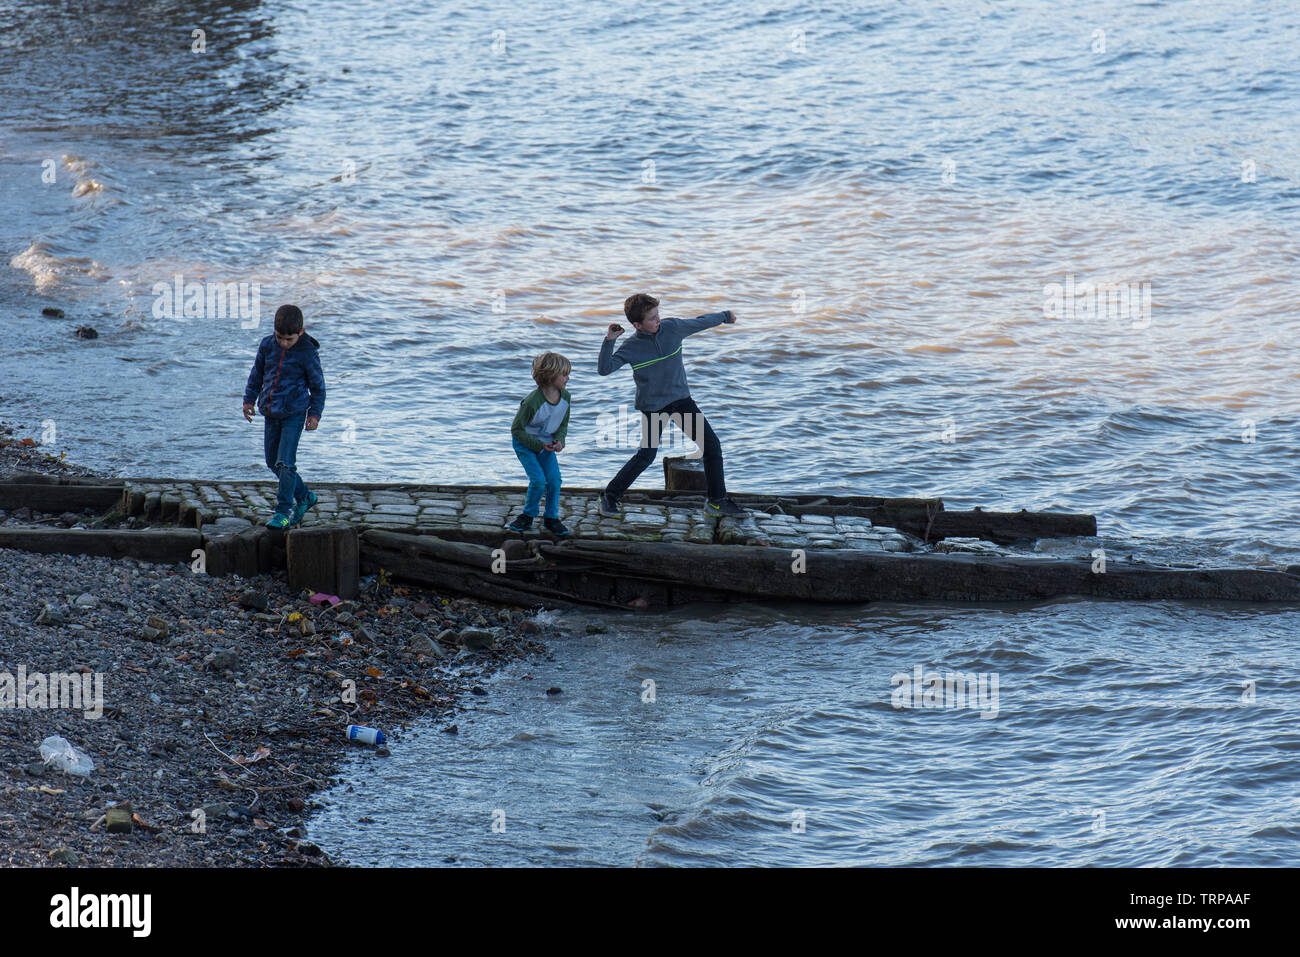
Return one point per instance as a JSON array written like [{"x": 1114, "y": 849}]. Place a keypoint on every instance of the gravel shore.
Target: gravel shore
[{"x": 224, "y": 700}]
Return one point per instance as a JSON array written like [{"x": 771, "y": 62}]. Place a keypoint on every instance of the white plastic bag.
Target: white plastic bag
[{"x": 60, "y": 752}]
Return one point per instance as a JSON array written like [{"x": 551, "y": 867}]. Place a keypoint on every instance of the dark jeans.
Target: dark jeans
[
  {"x": 281, "y": 442},
  {"x": 638, "y": 463}
]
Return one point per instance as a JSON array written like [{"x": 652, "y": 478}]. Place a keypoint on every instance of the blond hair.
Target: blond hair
[{"x": 549, "y": 367}]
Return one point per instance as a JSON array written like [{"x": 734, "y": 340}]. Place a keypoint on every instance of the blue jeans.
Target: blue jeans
[
  {"x": 281, "y": 442},
  {"x": 543, "y": 476}
]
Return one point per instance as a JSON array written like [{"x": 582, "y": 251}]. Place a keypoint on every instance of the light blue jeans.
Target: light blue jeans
[{"x": 543, "y": 476}]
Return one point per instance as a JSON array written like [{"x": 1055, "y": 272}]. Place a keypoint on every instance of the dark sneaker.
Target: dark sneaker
[
  {"x": 610, "y": 507},
  {"x": 279, "y": 520},
  {"x": 300, "y": 509},
  {"x": 555, "y": 526},
  {"x": 724, "y": 506},
  {"x": 521, "y": 524}
]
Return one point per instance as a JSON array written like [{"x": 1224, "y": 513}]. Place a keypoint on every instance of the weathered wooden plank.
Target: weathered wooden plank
[
  {"x": 59, "y": 498},
  {"x": 1007, "y": 527},
  {"x": 40, "y": 478},
  {"x": 150, "y": 544},
  {"x": 850, "y": 575}
]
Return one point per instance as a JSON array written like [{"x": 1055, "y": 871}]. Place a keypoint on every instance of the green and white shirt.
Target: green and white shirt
[{"x": 538, "y": 422}]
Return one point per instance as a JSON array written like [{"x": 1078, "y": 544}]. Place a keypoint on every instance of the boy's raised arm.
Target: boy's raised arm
[
  {"x": 609, "y": 359},
  {"x": 707, "y": 321}
]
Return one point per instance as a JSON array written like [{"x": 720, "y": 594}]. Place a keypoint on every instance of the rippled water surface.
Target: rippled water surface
[
  {"x": 1122, "y": 736},
  {"x": 885, "y": 194}
]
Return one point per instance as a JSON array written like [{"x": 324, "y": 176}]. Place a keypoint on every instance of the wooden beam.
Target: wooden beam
[
  {"x": 163, "y": 545},
  {"x": 59, "y": 498}
]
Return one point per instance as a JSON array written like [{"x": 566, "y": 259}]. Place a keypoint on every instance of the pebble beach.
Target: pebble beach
[{"x": 224, "y": 700}]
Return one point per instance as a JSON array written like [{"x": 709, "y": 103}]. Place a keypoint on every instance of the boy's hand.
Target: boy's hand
[
  {"x": 249, "y": 409},
  {"x": 312, "y": 422},
  {"x": 553, "y": 446},
  {"x": 731, "y": 317},
  {"x": 614, "y": 331}
]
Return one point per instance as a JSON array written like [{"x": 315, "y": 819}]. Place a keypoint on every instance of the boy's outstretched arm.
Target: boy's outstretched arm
[
  {"x": 707, "y": 321},
  {"x": 609, "y": 359}
]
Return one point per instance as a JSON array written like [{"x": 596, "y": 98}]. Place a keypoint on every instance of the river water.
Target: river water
[{"x": 902, "y": 202}]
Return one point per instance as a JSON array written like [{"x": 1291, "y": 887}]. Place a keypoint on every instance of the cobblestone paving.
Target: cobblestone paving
[{"x": 433, "y": 509}]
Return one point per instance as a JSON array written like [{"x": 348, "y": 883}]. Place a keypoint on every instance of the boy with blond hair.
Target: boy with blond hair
[{"x": 537, "y": 433}]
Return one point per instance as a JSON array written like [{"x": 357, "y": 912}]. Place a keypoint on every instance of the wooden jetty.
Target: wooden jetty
[{"x": 822, "y": 548}]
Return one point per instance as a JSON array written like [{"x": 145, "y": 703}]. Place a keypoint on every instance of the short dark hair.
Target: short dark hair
[
  {"x": 288, "y": 320},
  {"x": 637, "y": 305}
]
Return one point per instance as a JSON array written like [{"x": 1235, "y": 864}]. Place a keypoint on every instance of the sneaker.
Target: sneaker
[
  {"x": 279, "y": 520},
  {"x": 724, "y": 506},
  {"x": 555, "y": 526},
  {"x": 300, "y": 509},
  {"x": 521, "y": 524},
  {"x": 610, "y": 507}
]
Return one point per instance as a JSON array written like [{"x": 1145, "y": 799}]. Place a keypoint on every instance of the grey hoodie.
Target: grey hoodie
[{"x": 657, "y": 360}]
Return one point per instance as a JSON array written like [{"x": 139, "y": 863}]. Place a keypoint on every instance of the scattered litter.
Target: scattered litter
[
  {"x": 363, "y": 735},
  {"x": 60, "y": 752}
]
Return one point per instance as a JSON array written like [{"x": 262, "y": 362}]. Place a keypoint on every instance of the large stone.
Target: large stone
[
  {"x": 424, "y": 645},
  {"x": 50, "y": 615},
  {"x": 391, "y": 498},
  {"x": 387, "y": 508},
  {"x": 476, "y": 639},
  {"x": 226, "y": 525},
  {"x": 223, "y": 661}
]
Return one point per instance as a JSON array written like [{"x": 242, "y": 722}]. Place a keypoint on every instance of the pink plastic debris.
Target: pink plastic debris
[{"x": 320, "y": 598}]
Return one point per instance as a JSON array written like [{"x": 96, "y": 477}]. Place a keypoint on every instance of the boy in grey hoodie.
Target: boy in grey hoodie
[{"x": 655, "y": 354}]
